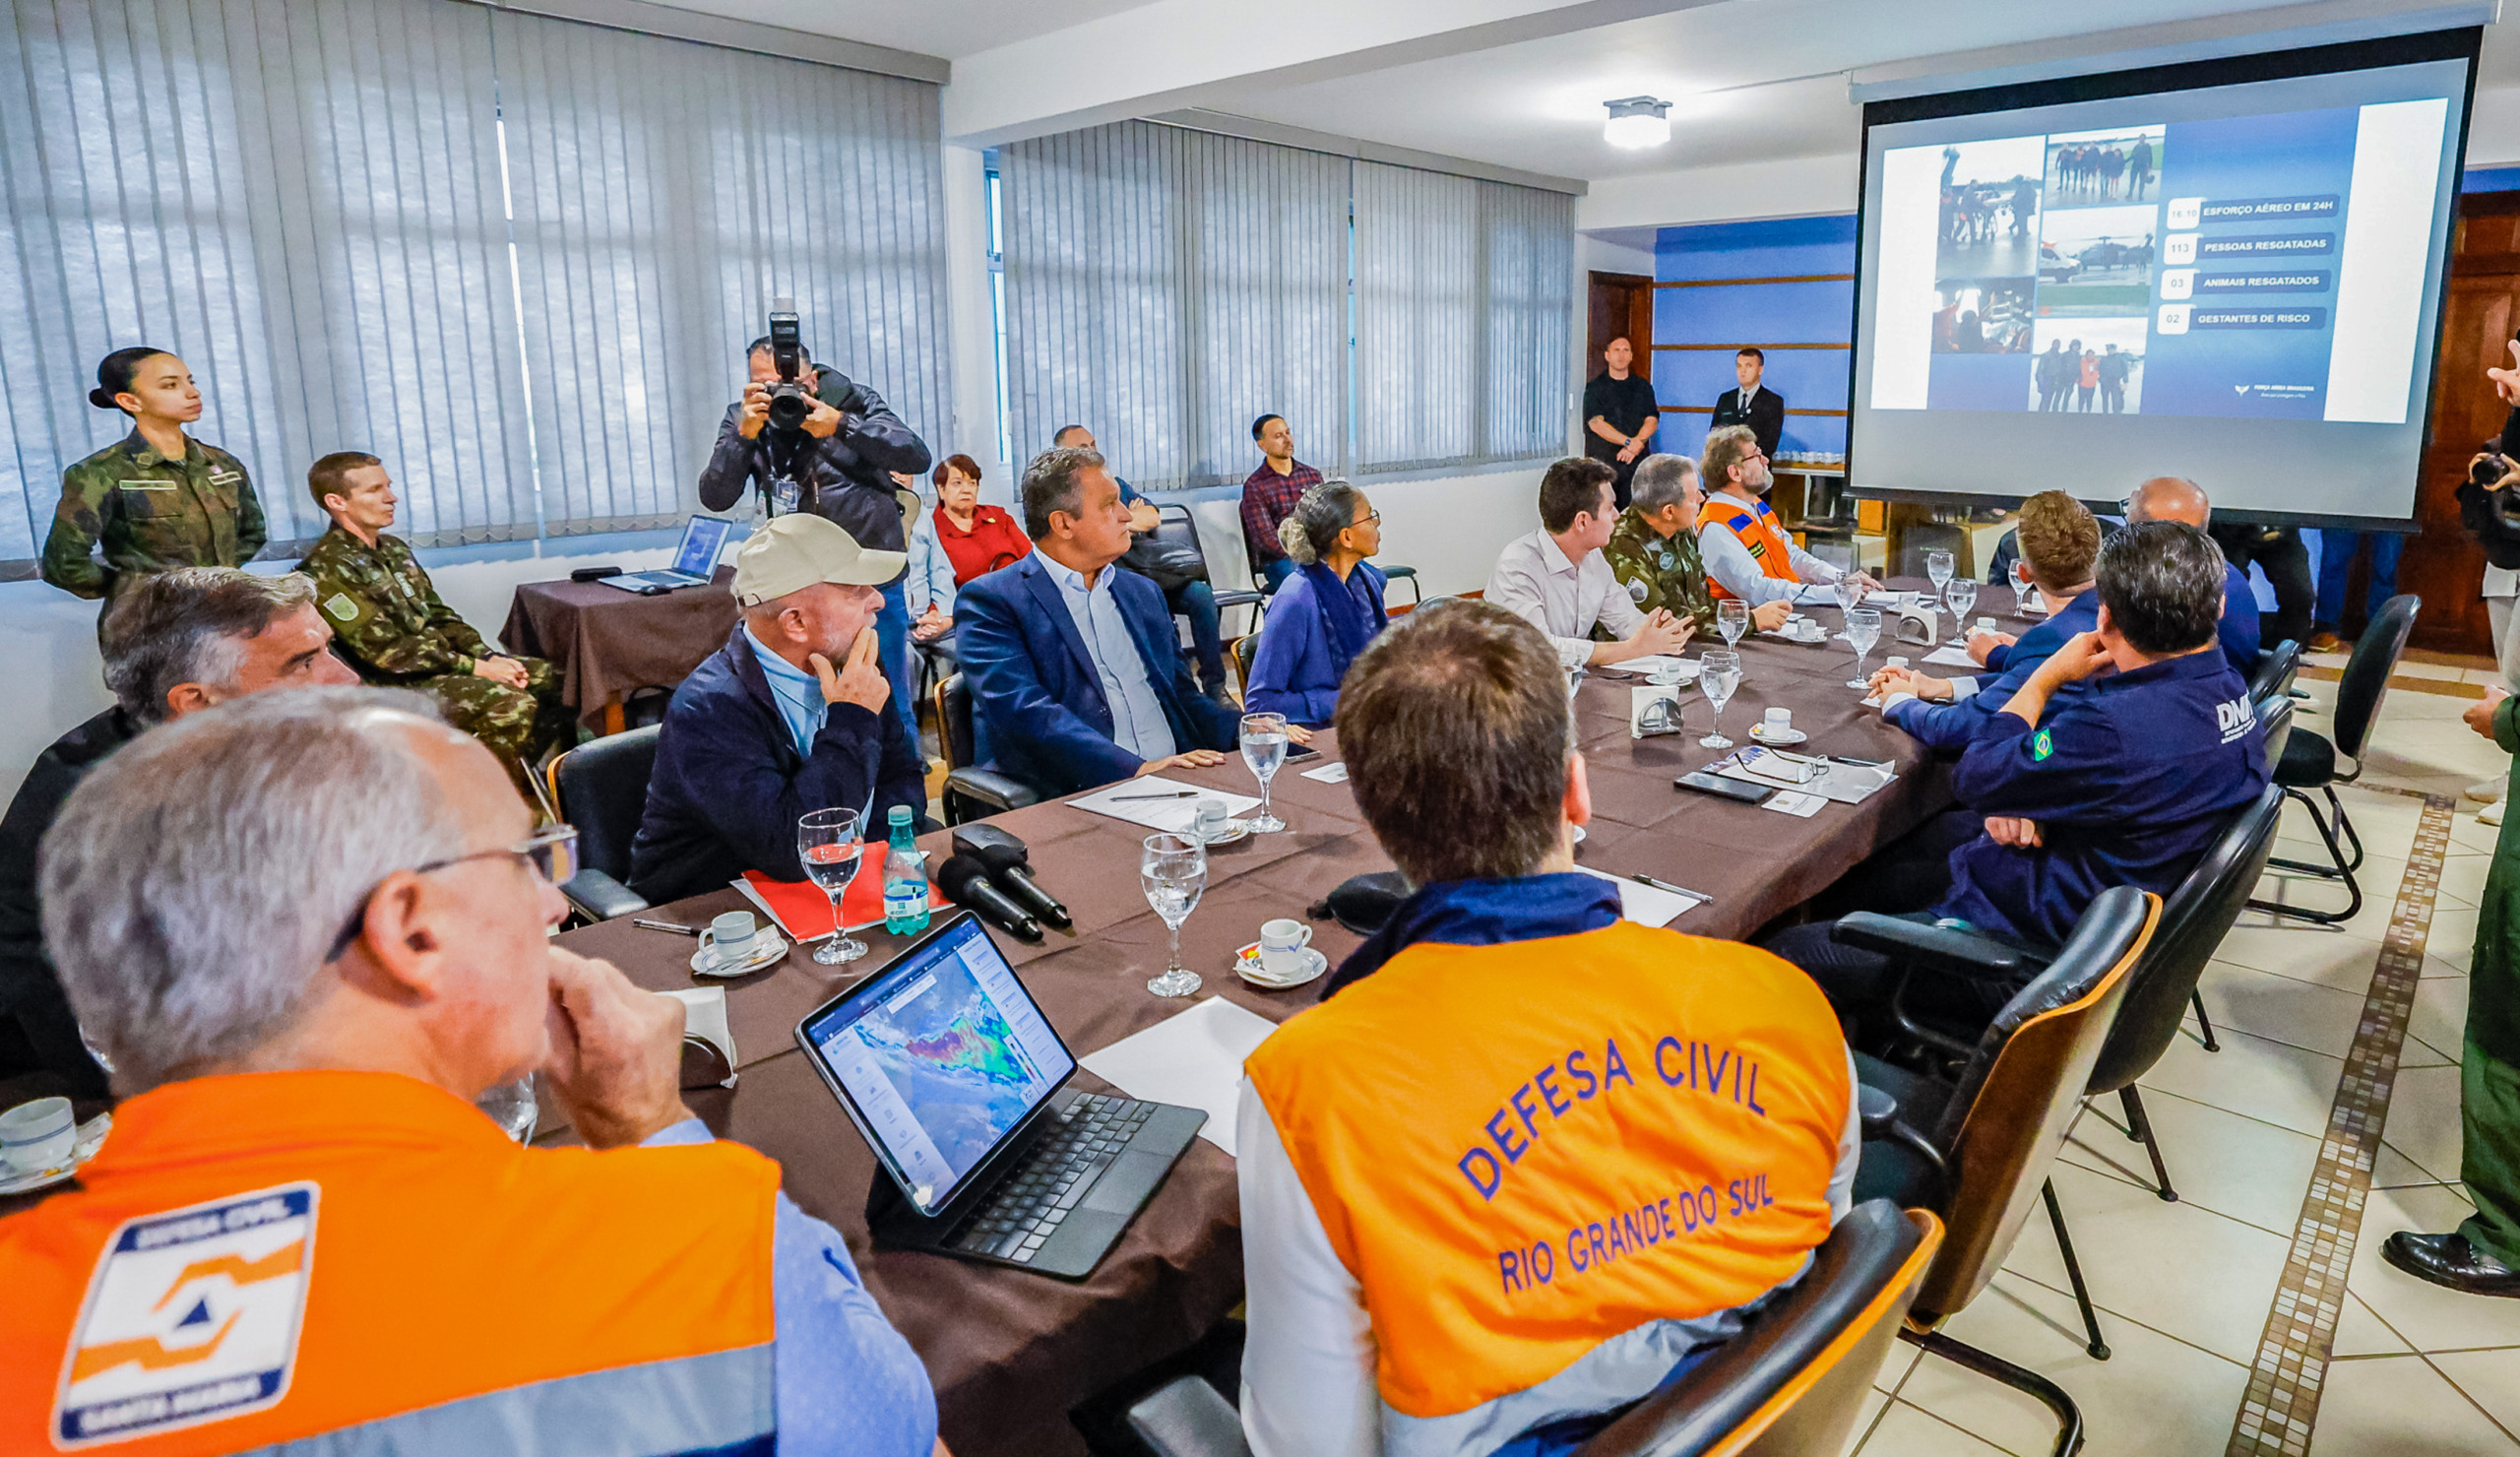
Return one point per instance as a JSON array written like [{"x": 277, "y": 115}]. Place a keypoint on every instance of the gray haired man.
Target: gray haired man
[
  {"x": 178, "y": 641},
  {"x": 305, "y": 970}
]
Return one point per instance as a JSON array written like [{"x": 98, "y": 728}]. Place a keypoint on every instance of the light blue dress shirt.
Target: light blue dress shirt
[
  {"x": 799, "y": 694},
  {"x": 847, "y": 1384},
  {"x": 1138, "y": 723},
  {"x": 931, "y": 578}
]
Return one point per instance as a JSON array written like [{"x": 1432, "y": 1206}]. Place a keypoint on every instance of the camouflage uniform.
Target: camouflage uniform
[
  {"x": 149, "y": 514},
  {"x": 1674, "y": 574},
  {"x": 389, "y": 624}
]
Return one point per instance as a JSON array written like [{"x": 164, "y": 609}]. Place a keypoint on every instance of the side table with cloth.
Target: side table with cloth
[
  {"x": 608, "y": 643},
  {"x": 1010, "y": 1352}
]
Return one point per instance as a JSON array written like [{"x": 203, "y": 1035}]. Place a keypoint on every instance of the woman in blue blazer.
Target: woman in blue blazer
[{"x": 1327, "y": 611}]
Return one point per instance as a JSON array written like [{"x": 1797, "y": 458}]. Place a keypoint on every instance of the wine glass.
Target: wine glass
[
  {"x": 1732, "y": 618},
  {"x": 511, "y": 1105},
  {"x": 1718, "y": 674},
  {"x": 1962, "y": 593},
  {"x": 2020, "y": 587},
  {"x": 1174, "y": 873},
  {"x": 827, "y": 842},
  {"x": 1849, "y": 590},
  {"x": 1938, "y": 572},
  {"x": 1264, "y": 748},
  {"x": 1863, "y": 629}
]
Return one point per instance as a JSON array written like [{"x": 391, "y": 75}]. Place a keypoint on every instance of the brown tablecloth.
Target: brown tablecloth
[
  {"x": 607, "y": 642},
  {"x": 1011, "y": 1352}
]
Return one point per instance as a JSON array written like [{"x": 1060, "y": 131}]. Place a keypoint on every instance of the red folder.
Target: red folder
[{"x": 803, "y": 911}]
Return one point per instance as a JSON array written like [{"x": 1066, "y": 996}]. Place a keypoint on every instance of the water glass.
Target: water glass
[
  {"x": 1718, "y": 674},
  {"x": 1732, "y": 618},
  {"x": 511, "y": 1105},
  {"x": 1938, "y": 572},
  {"x": 1849, "y": 590},
  {"x": 1174, "y": 870},
  {"x": 1264, "y": 748},
  {"x": 1962, "y": 595},
  {"x": 1863, "y": 629},
  {"x": 827, "y": 842},
  {"x": 2020, "y": 587}
]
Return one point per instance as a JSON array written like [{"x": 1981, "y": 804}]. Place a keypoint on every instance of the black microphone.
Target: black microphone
[
  {"x": 1010, "y": 865},
  {"x": 965, "y": 882}
]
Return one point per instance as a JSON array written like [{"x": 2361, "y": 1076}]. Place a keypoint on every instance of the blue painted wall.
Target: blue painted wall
[{"x": 1687, "y": 381}]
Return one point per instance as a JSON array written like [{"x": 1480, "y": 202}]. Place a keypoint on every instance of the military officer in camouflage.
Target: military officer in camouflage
[
  {"x": 389, "y": 622},
  {"x": 1653, "y": 549},
  {"x": 156, "y": 499}
]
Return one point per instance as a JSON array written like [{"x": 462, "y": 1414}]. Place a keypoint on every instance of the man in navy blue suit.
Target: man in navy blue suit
[
  {"x": 1077, "y": 676},
  {"x": 2173, "y": 498}
]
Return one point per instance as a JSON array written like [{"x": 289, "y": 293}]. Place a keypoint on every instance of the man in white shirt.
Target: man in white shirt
[
  {"x": 1749, "y": 554},
  {"x": 1557, "y": 579}
]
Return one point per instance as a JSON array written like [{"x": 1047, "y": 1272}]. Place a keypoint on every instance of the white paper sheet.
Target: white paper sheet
[
  {"x": 1794, "y": 802},
  {"x": 1653, "y": 662},
  {"x": 1329, "y": 774},
  {"x": 1191, "y": 1059},
  {"x": 1953, "y": 655},
  {"x": 1644, "y": 904},
  {"x": 1173, "y": 816}
]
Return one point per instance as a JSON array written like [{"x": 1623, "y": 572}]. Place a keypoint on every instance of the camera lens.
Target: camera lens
[{"x": 788, "y": 406}]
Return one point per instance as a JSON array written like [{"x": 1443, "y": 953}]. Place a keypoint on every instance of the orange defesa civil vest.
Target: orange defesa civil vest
[
  {"x": 1757, "y": 528},
  {"x": 270, "y": 1257},
  {"x": 1521, "y": 1151}
]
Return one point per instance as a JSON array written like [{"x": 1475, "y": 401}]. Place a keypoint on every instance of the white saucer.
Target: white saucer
[
  {"x": 1247, "y": 964},
  {"x": 1233, "y": 830},
  {"x": 770, "y": 949},
  {"x": 1788, "y": 737},
  {"x": 92, "y": 1136}
]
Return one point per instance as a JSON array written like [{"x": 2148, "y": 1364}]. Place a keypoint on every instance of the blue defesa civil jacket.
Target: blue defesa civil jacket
[
  {"x": 1293, "y": 670},
  {"x": 1037, "y": 709},
  {"x": 2237, "y": 631},
  {"x": 1949, "y": 728}
]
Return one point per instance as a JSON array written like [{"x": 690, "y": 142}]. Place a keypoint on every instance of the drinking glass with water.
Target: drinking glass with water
[
  {"x": 1174, "y": 870},
  {"x": 1264, "y": 748},
  {"x": 1718, "y": 674},
  {"x": 827, "y": 842},
  {"x": 1962, "y": 593},
  {"x": 1863, "y": 629},
  {"x": 1938, "y": 572},
  {"x": 511, "y": 1105},
  {"x": 1732, "y": 620}
]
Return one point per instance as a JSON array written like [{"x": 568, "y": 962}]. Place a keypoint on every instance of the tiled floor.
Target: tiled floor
[{"x": 2185, "y": 1288}]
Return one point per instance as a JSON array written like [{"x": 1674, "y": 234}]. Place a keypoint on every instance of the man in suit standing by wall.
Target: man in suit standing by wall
[{"x": 1762, "y": 409}]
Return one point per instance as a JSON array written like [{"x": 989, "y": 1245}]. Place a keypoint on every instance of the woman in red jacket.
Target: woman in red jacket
[{"x": 976, "y": 539}]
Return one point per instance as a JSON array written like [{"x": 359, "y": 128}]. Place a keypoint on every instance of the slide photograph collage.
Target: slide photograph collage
[{"x": 2178, "y": 267}]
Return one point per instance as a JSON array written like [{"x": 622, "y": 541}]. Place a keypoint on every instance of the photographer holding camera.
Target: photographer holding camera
[{"x": 814, "y": 440}]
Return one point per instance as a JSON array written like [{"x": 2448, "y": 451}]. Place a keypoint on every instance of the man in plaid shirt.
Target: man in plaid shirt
[{"x": 1270, "y": 494}]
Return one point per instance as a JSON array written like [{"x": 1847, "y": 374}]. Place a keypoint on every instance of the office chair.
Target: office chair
[
  {"x": 971, "y": 792},
  {"x": 2310, "y": 759},
  {"x": 601, "y": 786},
  {"x": 2276, "y": 668}
]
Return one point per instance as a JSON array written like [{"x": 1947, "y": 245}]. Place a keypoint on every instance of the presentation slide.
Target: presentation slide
[{"x": 2236, "y": 282}]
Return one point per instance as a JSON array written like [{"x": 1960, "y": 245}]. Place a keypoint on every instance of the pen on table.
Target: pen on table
[
  {"x": 1175, "y": 794},
  {"x": 1699, "y": 896},
  {"x": 667, "y": 926}
]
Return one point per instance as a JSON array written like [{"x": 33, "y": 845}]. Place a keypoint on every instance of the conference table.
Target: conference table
[{"x": 1011, "y": 1352}]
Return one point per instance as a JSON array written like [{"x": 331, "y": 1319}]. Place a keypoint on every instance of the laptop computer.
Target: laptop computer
[
  {"x": 957, "y": 1080},
  {"x": 695, "y": 560}
]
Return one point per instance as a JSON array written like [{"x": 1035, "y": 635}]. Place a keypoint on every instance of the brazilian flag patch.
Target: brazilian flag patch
[{"x": 2041, "y": 745}]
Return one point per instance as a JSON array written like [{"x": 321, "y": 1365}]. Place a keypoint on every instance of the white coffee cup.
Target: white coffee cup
[
  {"x": 1777, "y": 722},
  {"x": 1897, "y": 661},
  {"x": 39, "y": 1135},
  {"x": 1210, "y": 821},
  {"x": 1986, "y": 624},
  {"x": 730, "y": 940},
  {"x": 1281, "y": 947}
]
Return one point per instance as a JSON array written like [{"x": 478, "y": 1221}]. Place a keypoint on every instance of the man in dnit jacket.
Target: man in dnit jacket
[
  {"x": 303, "y": 1234},
  {"x": 1464, "y": 1231}
]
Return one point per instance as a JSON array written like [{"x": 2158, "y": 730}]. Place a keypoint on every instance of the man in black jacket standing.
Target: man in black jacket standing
[
  {"x": 1619, "y": 417},
  {"x": 1762, "y": 409},
  {"x": 837, "y": 465}
]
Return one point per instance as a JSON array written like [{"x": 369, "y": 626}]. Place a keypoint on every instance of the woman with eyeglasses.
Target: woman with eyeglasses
[{"x": 1328, "y": 610}]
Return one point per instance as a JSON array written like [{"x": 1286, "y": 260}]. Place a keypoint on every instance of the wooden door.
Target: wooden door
[
  {"x": 2444, "y": 565},
  {"x": 1621, "y": 306}
]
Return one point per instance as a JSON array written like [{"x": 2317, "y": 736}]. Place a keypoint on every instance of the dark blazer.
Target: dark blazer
[
  {"x": 29, "y": 988},
  {"x": 842, "y": 479},
  {"x": 730, "y": 785},
  {"x": 1766, "y": 418},
  {"x": 1038, "y": 708}
]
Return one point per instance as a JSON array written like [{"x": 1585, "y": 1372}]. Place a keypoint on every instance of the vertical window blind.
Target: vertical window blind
[
  {"x": 308, "y": 201},
  {"x": 1163, "y": 287}
]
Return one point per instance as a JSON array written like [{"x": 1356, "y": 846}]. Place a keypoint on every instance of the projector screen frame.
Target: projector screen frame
[{"x": 2455, "y": 43}]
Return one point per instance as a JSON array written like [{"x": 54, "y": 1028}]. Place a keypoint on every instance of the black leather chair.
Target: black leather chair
[
  {"x": 1793, "y": 1381},
  {"x": 1977, "y": 1147},
  {"x": 2274, "y": 714},
  {"x": 2276, "y": 668},
  {"x": 2162, "y": 984},
  {"x": 601, "y": 786},
  {"x": 1245, "y": 648},
  {"x": 2311, "y": 760},
  {"x": 970, "y": 792},
  {"x": 1174, "y": 527}
]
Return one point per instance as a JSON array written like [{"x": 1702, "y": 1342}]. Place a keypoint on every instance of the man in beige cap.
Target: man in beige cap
[{"x": 787, "y": 719}]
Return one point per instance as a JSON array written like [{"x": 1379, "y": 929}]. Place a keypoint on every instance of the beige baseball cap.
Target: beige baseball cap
[{"x": 794, "y": 552}]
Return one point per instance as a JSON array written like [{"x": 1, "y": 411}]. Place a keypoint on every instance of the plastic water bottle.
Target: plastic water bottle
[{"x": 905, "y": 879}]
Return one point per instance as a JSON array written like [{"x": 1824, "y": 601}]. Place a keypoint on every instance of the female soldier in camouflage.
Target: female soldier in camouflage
[{"x": 156, "y": 499}]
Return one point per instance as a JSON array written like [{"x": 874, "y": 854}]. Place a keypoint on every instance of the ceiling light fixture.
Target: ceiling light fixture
[{"x": 1637, "y": 121}]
